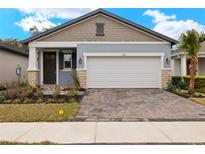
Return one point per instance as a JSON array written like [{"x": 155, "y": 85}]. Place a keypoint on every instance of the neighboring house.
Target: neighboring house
[
  {"x": 181, "y": 62},
  {"x": 106, "y": 50},
  {"x": 11, "y": 59}
]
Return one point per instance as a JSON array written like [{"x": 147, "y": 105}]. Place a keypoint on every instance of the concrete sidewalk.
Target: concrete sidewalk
[{"x": 104, "y": 132}]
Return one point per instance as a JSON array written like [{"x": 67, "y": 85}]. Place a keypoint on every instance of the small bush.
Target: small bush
[
  {"x": 50, "y": 100},
  {"x": 171, "y": 87},
  {"x": 40, "y": 100},
  {"x": 72, "y": 92},
  {"x": 76, "y": 79},
  {"x": 56, "y": 93},
  {"x": 16, "y": 101},
  {"x": 13, "y": 91},
  {"x": 27, "y": 101},
  {"x": 39, "y": 93},
  {"x": 2, "y": 87},
  {"x": 182, "y": 82},
  {"x": 2, "y": 96},
  {"x": 26, "y": 91},
  {"x": 8, "y": 101}
]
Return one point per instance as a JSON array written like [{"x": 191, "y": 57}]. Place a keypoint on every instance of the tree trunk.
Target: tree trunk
[{"x": 192, "y": 68}]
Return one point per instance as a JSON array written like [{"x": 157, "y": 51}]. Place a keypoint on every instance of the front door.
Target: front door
[{"x": 49, "y": 68}]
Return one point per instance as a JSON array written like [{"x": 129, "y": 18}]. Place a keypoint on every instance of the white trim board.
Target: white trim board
[{"x": 59, "y": 44}]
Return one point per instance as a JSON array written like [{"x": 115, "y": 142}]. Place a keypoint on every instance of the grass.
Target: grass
[
  {"x": 38, "y": 112},
  {"x": 198, "y": 100},
  {"x": 25, "y": 143}
]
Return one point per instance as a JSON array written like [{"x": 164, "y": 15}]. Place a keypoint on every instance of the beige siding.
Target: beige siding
[
  {"x": 114, "y": 31},
  {"x": 8, "y": 64}
]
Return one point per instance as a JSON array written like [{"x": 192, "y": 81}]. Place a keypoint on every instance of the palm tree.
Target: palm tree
[{"x": 190, "y": 43}]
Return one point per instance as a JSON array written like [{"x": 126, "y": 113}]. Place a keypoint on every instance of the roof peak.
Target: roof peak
[{"x": 105, "y": 12}]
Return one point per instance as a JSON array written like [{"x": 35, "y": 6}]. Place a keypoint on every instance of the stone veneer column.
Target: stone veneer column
[
  {"x": 165, "y": 78},
  {"x": 33, "y": 78},
  {"x": 82, "y": 75},
  {"x": 33, "y": 70}
]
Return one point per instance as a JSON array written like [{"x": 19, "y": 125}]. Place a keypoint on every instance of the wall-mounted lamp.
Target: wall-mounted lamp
[
  {"x": 167, "y": 60},
  {"x": 80, "y": 61}
]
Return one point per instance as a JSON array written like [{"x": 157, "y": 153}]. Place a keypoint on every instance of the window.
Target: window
[
  {"x": 100, "y": 29},
  {"x": 67, "y": 60}
]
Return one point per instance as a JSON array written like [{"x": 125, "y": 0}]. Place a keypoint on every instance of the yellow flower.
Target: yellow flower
[{"x": 61, "y": 112}]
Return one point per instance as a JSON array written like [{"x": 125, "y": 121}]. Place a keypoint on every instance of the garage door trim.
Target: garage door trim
[{"x": 161, "y": 55}]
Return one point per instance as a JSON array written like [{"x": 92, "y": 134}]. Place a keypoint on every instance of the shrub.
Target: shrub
[
  {"x": 50, "y": 100},
  {"x": 40, "y": 100},
  {"x": 16, "y": 101},
  {"x": 76, "y": 79},
  {"x": 26, "y": 91},
  {"x": 171, "y": 87},
  {"x": 13, "y": 91},
  {"x": 2, "y": 87},
  {"x": 56, "y": 93},
  {"x": 27, "y": 101},
  {"x": 39, "y": 93},
  {"x": 183, "y": 82},
  {"x": 2, "y": 96},
  {"x": 72, "y": 92}
]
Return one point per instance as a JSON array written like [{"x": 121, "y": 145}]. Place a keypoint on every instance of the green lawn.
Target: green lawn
[
  {"x": 198, "y": 100},
  {"x": 38, "y": 112}
]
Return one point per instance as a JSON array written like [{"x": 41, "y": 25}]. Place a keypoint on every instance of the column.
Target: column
[
  {"x": 183, "y": 66},
  {"x": 33, "y": 67}
]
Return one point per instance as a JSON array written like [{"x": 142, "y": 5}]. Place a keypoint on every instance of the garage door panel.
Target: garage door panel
[{"x": 123, "y": 72}]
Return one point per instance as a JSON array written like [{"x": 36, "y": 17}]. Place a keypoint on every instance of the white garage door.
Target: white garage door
[{"x": 123, "y": 72}]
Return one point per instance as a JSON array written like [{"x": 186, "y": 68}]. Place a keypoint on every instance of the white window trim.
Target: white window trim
[{"x": 67, "y": 69}]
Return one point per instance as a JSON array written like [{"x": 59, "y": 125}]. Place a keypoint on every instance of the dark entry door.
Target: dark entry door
[{"x": 49, "y": 68}]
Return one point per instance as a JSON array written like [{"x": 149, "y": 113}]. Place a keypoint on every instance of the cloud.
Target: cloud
[
  {"x": 170, "y": 26},
  {"x": 41, "y": 18},
  {"x": 158, "y": 16}
]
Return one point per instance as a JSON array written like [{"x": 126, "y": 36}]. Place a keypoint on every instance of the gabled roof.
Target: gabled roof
[
  {"x": 101, "y": 11},
  {"x": 13, "y": 50}
]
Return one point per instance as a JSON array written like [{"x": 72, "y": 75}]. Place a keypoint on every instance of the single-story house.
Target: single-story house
[
  {"x": 11, "y": 60},
  {"x": 180, "y": 62},
  {"x": 107, "y": 51}
]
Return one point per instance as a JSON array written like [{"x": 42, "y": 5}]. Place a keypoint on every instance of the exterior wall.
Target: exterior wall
[
  {"x": 177, "y": 67},
  {"x": 33, "y": 77},
  {"x": 8, "y": 64},
  {"x": 124, "y": 48},
  {"x": 65, "y": 77},
  {"x": 82, "y": 77},
  {"x": 165, "y": 78},
  {"x": 201, "y": 66},
  {"x": 114, "y": 31}
]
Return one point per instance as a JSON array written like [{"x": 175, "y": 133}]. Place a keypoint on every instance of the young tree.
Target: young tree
[{"x": 190, "y": 43}]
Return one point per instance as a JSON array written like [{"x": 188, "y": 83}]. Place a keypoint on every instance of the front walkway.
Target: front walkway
[
  {"x": 130, "y": 105},
  {"x": 105, "y": 132}
]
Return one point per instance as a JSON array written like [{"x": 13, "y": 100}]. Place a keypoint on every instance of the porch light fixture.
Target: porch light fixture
[
  {"x": 167, "y": 60},
  {"x": 80, "y": 61}
]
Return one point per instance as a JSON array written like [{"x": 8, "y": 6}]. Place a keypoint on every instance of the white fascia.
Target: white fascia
[{"x": 63, "y": 44}]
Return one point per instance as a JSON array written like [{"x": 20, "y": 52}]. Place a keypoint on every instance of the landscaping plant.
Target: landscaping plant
[{"x": 190, "y": 43}]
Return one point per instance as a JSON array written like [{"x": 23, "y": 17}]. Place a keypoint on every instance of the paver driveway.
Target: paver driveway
[{"x": 137, "y": 105}]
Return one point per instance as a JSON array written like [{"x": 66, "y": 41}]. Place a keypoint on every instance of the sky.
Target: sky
[{"x": 15, "y": 23}]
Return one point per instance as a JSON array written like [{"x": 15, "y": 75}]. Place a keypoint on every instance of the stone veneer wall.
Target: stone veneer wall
[
  {"x": 165, "y": 78},
  {"x": 82, "y": 78},
  {"x": 33, "y": 78}
]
